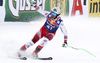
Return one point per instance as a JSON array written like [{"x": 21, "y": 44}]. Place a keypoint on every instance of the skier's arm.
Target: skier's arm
[
  {"x": 64, "y": 31},
  {"x": 45, "y": 13}
]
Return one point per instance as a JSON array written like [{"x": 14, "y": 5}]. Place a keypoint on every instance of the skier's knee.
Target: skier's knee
[
  {"x": 35, "y": 38},
  {"x": 50, "y": 36}
]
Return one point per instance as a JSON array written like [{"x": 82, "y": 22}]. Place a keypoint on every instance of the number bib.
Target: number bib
[{"x": 52, "y": 25}]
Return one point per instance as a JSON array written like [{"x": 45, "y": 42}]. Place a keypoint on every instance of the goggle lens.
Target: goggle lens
[{"x": 54, "y": 14}]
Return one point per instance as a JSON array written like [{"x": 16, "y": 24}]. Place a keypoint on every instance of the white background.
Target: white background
[{"x": 2, "y": 12}]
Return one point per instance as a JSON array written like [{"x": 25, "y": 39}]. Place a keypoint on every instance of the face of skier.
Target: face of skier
[{"x": 53, "y": 15}]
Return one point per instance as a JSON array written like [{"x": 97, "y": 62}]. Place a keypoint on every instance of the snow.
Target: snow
[{"x": 82, "y": 33}]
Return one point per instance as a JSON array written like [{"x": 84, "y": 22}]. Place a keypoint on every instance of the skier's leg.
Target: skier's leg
[
  {"x": 50, "y": 36},
  {"x": 40, "y": 46},
  {"x": 47, "y": 38},
  {"x": 32, "y": 42},
  {"x": 27, "y": 45},
  {"x": 37, "y": 36}
]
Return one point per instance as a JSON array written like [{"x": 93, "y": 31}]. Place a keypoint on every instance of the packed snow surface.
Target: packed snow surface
[{"x": 82, "y": 33}]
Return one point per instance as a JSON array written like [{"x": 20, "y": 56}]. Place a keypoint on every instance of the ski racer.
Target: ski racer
[{"x": 48, "y": 30}]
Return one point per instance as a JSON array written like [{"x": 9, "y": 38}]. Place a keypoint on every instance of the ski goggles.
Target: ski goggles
[{"x": 54, "y": 14}]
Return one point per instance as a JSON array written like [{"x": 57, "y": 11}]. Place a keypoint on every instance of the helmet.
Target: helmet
[{"x": 56, "y": 10}]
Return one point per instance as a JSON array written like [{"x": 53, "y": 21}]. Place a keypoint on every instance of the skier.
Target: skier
[{"x": 48, "y": 30}]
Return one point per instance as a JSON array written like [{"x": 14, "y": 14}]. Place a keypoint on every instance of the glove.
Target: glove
[
  {"x": 34, "y": 3},
  {"x": 65, "y": 42}
]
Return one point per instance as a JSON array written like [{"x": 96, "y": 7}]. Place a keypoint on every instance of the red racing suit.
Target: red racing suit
[
  {"x": 48, "y": 31},
  {"x": 50, "y": 27}
]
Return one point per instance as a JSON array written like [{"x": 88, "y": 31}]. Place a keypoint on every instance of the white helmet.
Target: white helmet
[{"x": 56, "y": 10}]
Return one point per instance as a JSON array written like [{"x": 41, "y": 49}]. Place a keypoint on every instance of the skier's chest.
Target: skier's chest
[{"x": 55, "y": 22}]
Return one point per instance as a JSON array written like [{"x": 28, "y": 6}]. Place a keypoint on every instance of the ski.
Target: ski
[
  {"x": 25, "y": 58},
  {"x": 49, "y": 58}
]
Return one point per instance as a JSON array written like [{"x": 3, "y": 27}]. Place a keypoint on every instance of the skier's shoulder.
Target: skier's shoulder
[{"x": 59, "y": 18}]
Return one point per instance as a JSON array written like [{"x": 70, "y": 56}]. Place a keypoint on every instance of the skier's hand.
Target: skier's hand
[
  {"x": 65, "y": 42},
  {"x": 34, "y": 3}
]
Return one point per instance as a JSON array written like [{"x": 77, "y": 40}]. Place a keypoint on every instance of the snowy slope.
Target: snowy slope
[{"x": 82, "y": 33}]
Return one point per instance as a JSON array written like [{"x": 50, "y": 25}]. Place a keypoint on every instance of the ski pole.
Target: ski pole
[{"x": 81, "y": 49}]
